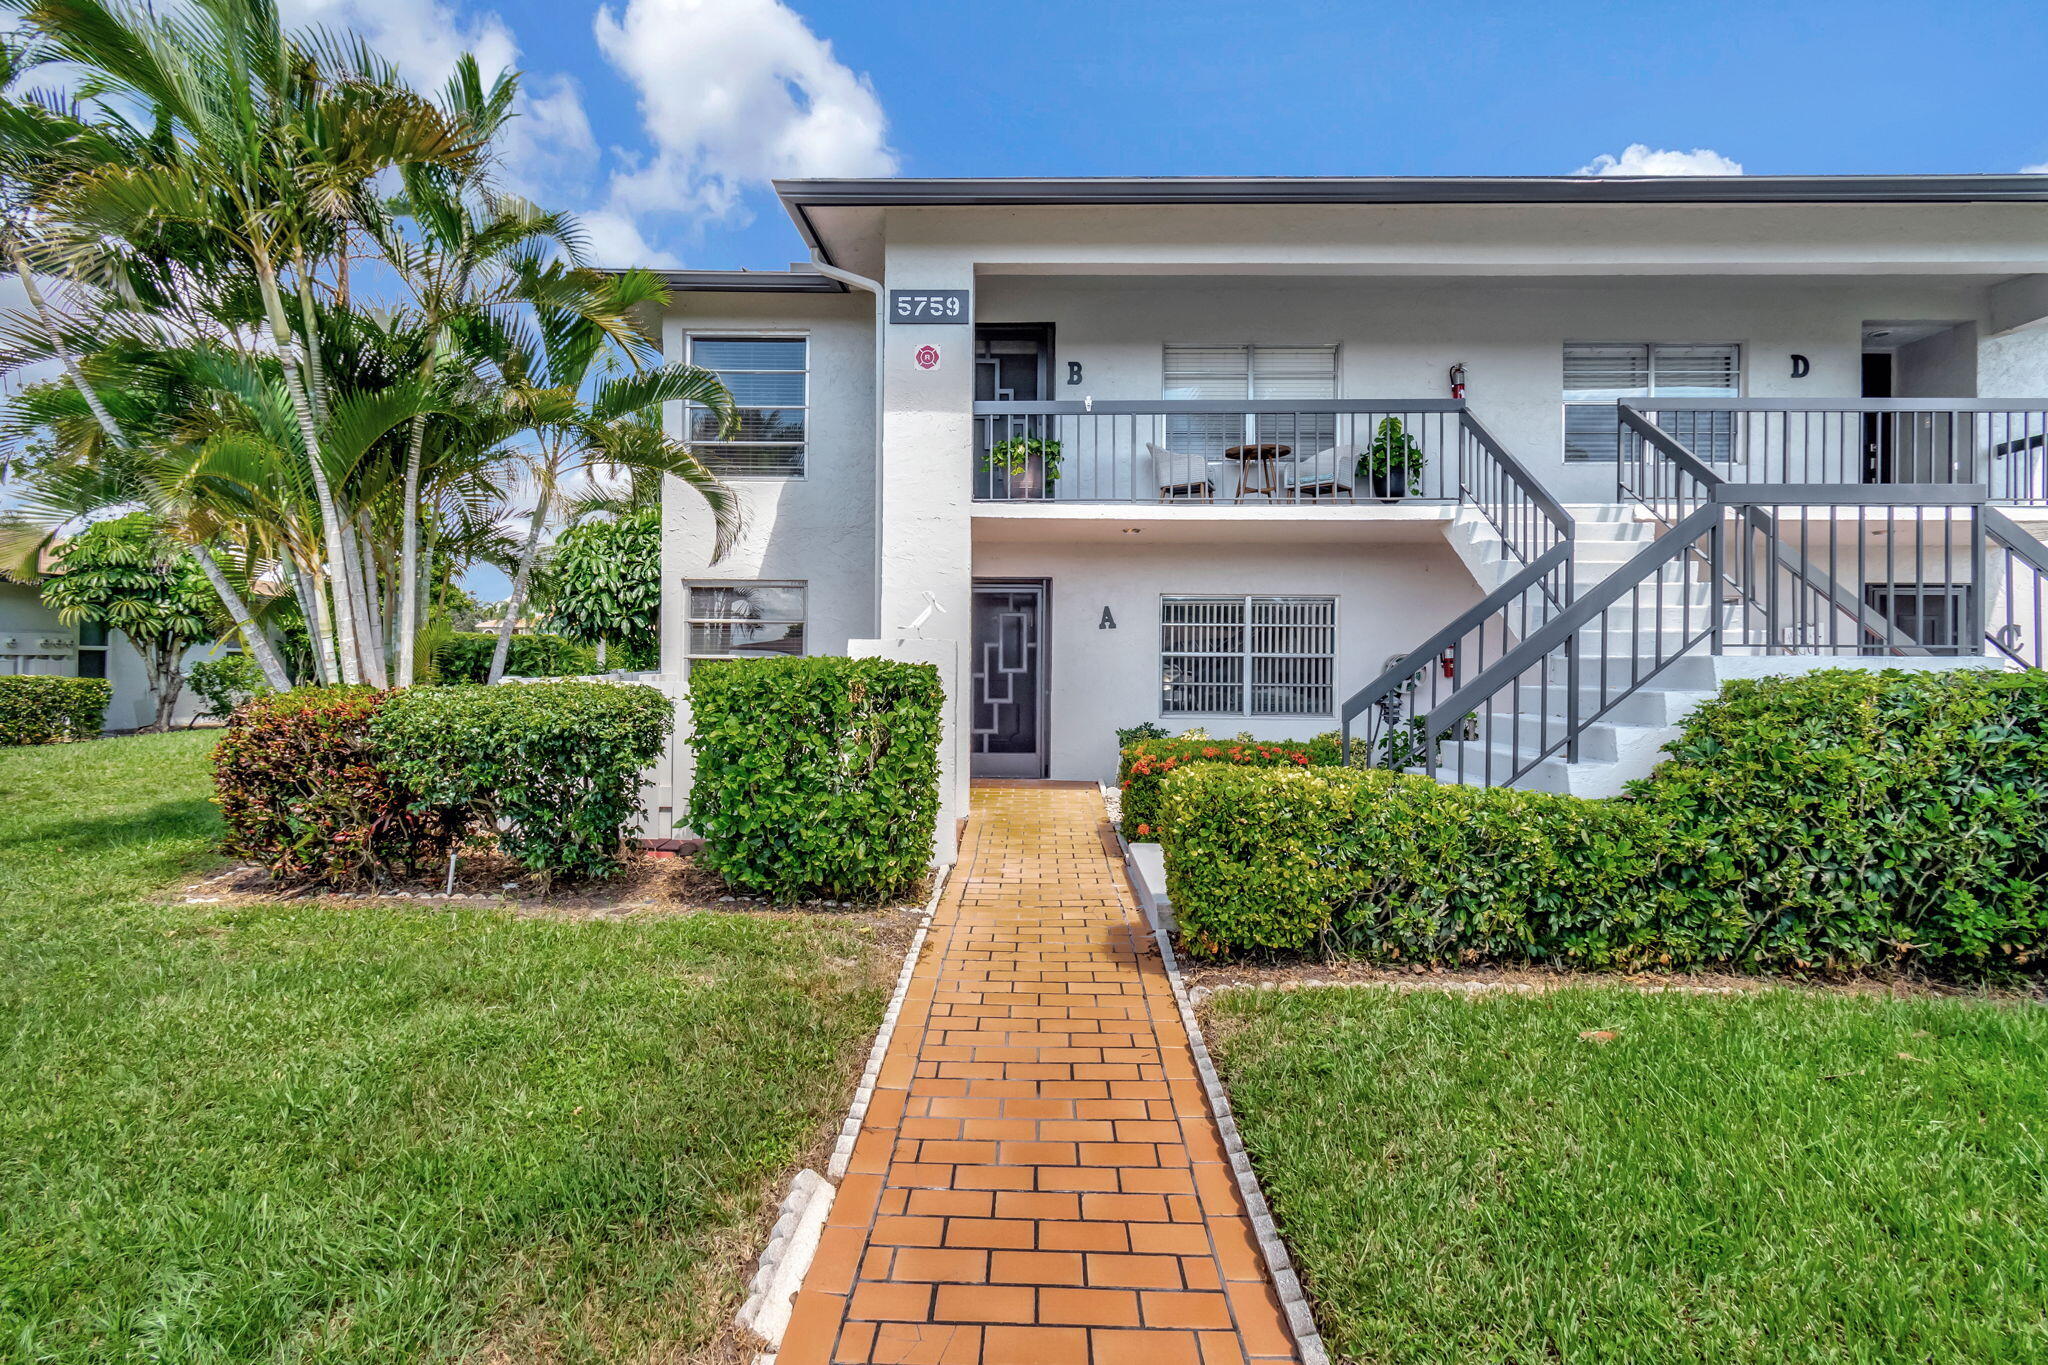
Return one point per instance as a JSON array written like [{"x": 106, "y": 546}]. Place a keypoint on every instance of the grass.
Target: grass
[
  {"x": 1775, "y": 1177},
  {"x": 308, "y": 1132}
]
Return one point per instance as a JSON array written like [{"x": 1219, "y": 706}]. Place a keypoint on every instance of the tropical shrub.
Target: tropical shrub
[
  {"x": 465, "y": 657},
  {"x": 601, "y": 585},
  {"x": 553, "y": 769},
  {"x": 127, "y": 575},
  {"x": 40, "y": 710},
  {"x": 816, "y": 776},
  {"x": 304, "y": 794},
  {"x": 1145, "y": 764},
  {"x": 225, "y": 683},
  {"x": 1860, "y": 817},
  {"x": 1400, "y": 868},
  {"x": 1834, "y": 821}
]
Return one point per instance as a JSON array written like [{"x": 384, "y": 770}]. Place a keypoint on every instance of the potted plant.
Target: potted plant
[
  {"x": 1030, "y": 466},
  {"x": 1393, "y": 455}
]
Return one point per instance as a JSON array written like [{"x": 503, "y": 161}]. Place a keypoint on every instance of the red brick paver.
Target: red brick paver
[{"x": 1038, "y": 1180}]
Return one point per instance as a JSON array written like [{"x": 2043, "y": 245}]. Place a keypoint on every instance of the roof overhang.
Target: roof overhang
[
  {"x": 800, "y": 197},
  {"x": 749, "y": 282}
]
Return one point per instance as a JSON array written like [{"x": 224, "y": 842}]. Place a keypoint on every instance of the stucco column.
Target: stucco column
[{"x": 925, "y": 551}]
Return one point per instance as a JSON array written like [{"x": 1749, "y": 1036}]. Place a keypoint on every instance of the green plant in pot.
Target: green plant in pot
[
  {"x": 1387, "y": 464},
  {"x": 1030, "y": 466}
]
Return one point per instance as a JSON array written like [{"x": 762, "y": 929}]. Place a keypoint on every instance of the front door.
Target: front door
[{"x": 1009, "y": 709}]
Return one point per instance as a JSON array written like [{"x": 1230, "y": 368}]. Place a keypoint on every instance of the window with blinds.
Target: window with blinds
[
  {"x": 768, "y": 378},
  {"x": 1247, "y": 656},
  {"x": 745, "y": 620},
  {"x": 1265, "y": 374},
  {"x": 1595, "y": 376}
]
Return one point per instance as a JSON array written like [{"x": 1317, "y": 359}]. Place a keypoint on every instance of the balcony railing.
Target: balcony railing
[
  {"x": 1364, "y": 451},
  {"x": 2000, "y": 444}
]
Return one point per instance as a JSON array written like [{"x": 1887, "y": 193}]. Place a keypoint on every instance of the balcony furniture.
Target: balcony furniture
[
  {"x": 1180, "y": 476},
  {"x": 1333, "y": 471},
  {"x": 1257, "y": 467}
]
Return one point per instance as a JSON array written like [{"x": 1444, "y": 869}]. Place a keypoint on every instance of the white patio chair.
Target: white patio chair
[
  {"x": 1332, "y": 470},
  {"x": 1180, "y": 475}
]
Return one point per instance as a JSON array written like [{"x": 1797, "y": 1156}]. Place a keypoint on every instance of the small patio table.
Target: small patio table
[{"x": 1257, "y": 458}]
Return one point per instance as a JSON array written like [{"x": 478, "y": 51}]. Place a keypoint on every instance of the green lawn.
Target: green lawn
[
  {"x": 1759, "y": 1178},
  {"x": 383, "y": 1132}
]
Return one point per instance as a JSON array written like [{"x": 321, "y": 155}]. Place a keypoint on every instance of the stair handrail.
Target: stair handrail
[
  {"x": 1540, "y": 537},
  {"x": 1513, "y": 531},
  {"x": 2020, "y": 548},
  {"x": 1560, "y": 632}
]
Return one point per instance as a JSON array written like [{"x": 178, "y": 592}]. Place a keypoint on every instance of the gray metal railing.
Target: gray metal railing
[
  {"x": 1243, "y": 453},
  {"x": 2002, "y": 443},
  {"x": 2015, "y": 613}
]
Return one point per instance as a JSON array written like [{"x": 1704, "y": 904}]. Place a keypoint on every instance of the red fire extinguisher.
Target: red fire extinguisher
[
  {"x": 1448, "y": 663},
  {"x": 1458, "y": 382}
]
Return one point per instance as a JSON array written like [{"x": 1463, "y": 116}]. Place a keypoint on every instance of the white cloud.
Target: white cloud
[
  {"x": 733, "y": 93},
  {"x": 2041, "y": 169},
  {"x": 1640, "y": 159},
  {"x": 614, "y": 239},
  {"x": 422, "y": 38}
]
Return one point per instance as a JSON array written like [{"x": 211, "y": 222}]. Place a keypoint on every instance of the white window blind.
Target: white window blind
[
  {"x": 1595, "y": 376},
  {"x": 1247, "y": 656},
  {"x": 745, "y": 620},
  {"x": 1222, "y": 374},
  {"x": 768, "y": 378}
]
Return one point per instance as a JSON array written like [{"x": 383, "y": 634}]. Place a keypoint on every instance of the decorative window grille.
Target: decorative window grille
[
  {"x": 1265, "y": 374},
  {"x": 1595, "y": 376},
  {"x": 1247, "y": 656},
  {"x": 745, "y": 620},
  {"x": 768, "y": 377}
]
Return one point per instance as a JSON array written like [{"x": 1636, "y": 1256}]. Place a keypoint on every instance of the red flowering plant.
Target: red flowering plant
[{"x": 1146, "y": 763}]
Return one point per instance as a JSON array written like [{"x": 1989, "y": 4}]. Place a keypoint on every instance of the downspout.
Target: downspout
[{"x": 874, "y": 287}]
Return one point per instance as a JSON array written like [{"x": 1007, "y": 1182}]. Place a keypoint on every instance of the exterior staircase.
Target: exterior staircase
[{"x": 1605, "y": 625}]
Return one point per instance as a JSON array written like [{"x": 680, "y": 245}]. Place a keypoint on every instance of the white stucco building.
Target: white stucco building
[{"x": 1104, "y": 450}]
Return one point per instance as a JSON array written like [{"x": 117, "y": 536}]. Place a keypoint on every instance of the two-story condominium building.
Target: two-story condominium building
[{"x": 1271, "y": 456}]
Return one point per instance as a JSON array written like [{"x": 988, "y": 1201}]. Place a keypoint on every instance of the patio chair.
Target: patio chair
[
  {"x": 1332, "y": 470},
  {"x": 1180, "y": 475}
]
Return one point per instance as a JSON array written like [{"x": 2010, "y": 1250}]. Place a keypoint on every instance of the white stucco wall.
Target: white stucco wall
[
  {"x": 1398, "y": 338},
  {"x": 23, "y": 617},
  {"x": 1391, "y": 594}
]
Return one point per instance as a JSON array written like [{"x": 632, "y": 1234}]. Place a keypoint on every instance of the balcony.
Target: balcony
[
  {"x": 2002, "y": 446},
  {"x": 1363, "y": 452}
]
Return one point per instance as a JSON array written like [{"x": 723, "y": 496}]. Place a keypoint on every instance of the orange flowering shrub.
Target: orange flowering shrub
[{"x": 1146, "y": 762}]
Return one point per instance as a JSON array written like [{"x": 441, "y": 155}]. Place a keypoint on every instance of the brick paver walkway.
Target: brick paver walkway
[{"x": 1038, "y": 1180}]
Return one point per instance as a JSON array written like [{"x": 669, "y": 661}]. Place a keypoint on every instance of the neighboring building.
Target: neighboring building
[
  {"x": 33, "y": 640},
  {"x": 1212, "y": 357}
]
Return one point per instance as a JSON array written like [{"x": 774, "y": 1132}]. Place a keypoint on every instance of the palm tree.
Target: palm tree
[
  {"x": 266, "y": 146},
  {"x": 589, "y": 402}
]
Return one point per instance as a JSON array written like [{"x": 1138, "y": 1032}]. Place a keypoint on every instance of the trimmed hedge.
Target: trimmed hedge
[
  {"x": 35, "y": 709},
  {"x": 1863, "y": 817},
  {"x": 552, "y": 768},
  {"x": 816, "y": 777},
  {"x": 303, "y": 793},
  {"x": 1837, "y": 821},
  {"x": 1144, "y": 765},
  {"x": 465, "y": 657}
]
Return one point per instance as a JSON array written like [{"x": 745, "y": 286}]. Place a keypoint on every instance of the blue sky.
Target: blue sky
[{"x": 690, "y": 105}]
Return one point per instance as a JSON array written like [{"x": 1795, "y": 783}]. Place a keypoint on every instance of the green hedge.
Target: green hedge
[
  {"x": 552, "y": 768},
  {"x": 1837, "y": 820},
  {"x": 465, "y": 657},
  {"x": 1144, "y": 764},
  {"x": 304, "y": 794},
  {"x": 40, "y": 710},
  {"x": 1863, "y": 817},
  {"x": 817, "y": 776}
]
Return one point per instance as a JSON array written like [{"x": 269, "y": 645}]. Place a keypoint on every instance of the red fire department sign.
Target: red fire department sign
[{"x": 927, "y": 357}]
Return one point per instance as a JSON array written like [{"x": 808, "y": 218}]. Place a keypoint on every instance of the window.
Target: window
[
  {"x": 1259, "y": 373},
  {"x": 1930, "y": 615},
  {"x": 1596, "y": 375},
  {"x": 769, "y": 382},
  {"x": 92, "y": 650},
  {"x": 745, "y": 620},
  {"x": 1247, "y": 656}
]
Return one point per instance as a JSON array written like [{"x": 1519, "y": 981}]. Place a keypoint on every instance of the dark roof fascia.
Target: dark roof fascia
[
  {"x": 750, "y": 282},
  {"x": 799, "y": 195}
]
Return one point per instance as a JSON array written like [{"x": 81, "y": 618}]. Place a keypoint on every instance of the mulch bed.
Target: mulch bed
[
  {"x": 1295, "y": 975},
  {"x": 651, "y": 883}
]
